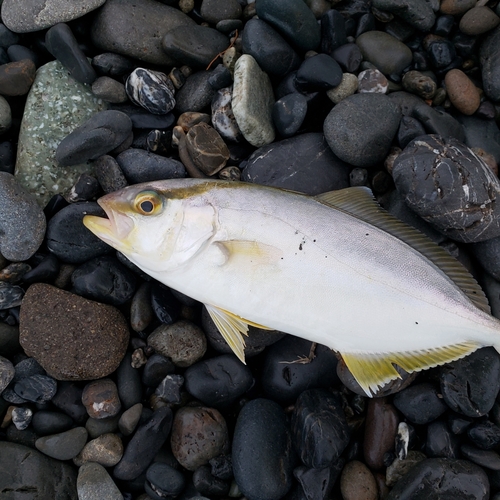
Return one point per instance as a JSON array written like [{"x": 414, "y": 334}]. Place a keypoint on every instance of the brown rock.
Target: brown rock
[
  {"x": 17, "y": 77},
  {"x": 419, "y": 84},
  {"x": 191, "y": 118},
  {"x": 380, "y": 431},
  {"x": 399, "y": 467},
  {"x": 463, "y": 94},
  {"x": 478, "y": 20},
  {"x": 106, "y": 450},
  {"x": 198, "y": 435},
  {"x": 206, "y": 148},
  {"x": 71, "y": 337},
  {"x": 455, "y": 7},
  {"x": 101, "y": 398},
  {"x": 357, "y": 482}
]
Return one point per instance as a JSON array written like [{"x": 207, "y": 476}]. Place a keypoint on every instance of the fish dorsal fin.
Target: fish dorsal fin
[
  {"x": 372, "y": 371},
  {"x": 232, "y": 328},
  {"x": 359, "y": 202}
]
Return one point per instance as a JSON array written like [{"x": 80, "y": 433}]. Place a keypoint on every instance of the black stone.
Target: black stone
[
  {"x": 169, "y": 389},
  {"x": 109, "y": 174},
  {"x": 333, "y": 32},
  {"x": 409, "y": 129},
  {"x": 444, "y": 24},
  {"x": 485, "y": 458},
  {"x": 289, "y": 113},
  {"x": 36, "y": 388},
  {"x": 284, "y": 379},
  {"x": 470, "y": 385},
  {"x": 99, "y": 135},
  {"x": 156, "y": 369},
  {"x": 365, "y": 23},
  {"x": 10, "y": 295},
  {"x": 85, "y": 188},
  {"x": 45, "y": 272},
  {"x": 20, "y": 52},
  {"x": 7, "y": 157},
  {"x": 483, "y": 134},
  {"x": 272, "y": 53},
  {"x": 111, "y": 64},
  {"x": 348, "y": 56},
  {"x": 196, "y": 94},
  {"x": 458, "y": 424},
  {"x": 165, "y": 306},
  {"x": 221, "y": 467},
  {"x": 317, "y": 484},
  {"x": 319, "y": 72},
  {"x": 319, "y": 428},
  {"x": 441, "y": 442},
  {"x": 220, "y": 77},
  {"x": 485, "y": 435},
  {"x": 62, "y": 44},
  {"x": 144, "y": 445},
  {"x": 218, "y": 381},
  {"x": 489, "y": 56},
  {"x": 263, "y": 456},
  {"x": 164, "y": 479},
  {"x": 143, "y": 119},
  {"x": 440, "y": 478},
  {"x": 7, "y": 37},
  {"x": 303, "y": 163},
  {"x": 436, "y": 121},
  {"x": 128, "y": 382},
  {"x": 420, "y": 403},
  {"x": 207, "y": 484},
  {"x": 142, "y": 166},
  {"x": 68, "y": 398},
  {"x": 51, "y": 422},
  {"x": 441, "y": 53}
]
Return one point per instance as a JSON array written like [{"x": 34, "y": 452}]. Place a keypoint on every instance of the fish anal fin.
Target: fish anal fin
[
  {"x": 252, "y": 252},
  {"x": 359, "y": 202},
  {"x": 373, "y": 371},
  {"x": 237, "y": 318}
]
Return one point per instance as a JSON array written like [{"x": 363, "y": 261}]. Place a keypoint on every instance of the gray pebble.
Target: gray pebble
[
  {"x": 21, "y": 417},
  {"x": 63, "y": 446},
  {"x": 94, "y": 483},
  {"x": 129, "y": 419},
  {"x": 110, "y": 90}
]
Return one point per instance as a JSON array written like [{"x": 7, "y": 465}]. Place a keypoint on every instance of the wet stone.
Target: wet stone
[
  {"x": 441, "y": 442},
  {"x": 145, "y": 443},
  {"x": 356, "y": 481},
  {"x": 400, "y": 467},
  {"x": 86, "y": 188},
  {"x": 372, "y": 81},
  {"x": 318, "y": 483},
  {"x": 165, "y": 479},
  {"x": 104, "y": 279},
  {"x": 348, "y": 56},
  {"x": 166, "y": 306},
  {"x": 101, "y": 398},
  {"x": 485, "y": 435},
  {"x": 63, "y": 332},
  {"x": 262, "y": 448},
  {"x": 478, "y": 20},
  {"x": 156, "y": 369},
  {"x": 223, "y": 119},
  {"x": 16, "y": 78},
  {"x": 319, "y": 72},
  {"x": 94, "y": 483},
  {"x": 21, "y": 417},
  {"x": 152, "y": 90},
  {"x": 485, "y": 458},
  {"x": 198, "y": 434},
  {"x": 417, "y": 13},
  {"x": 419, "y": 84},
  {"x": 319, "y": 428},
  {"x": 420, "y": 403},
  {"x": 128, "y": 382},
  {"x": 63, "y": 446},
  {"x": 36, "y": 388},
  {"x": 207, "y": 484},
  {"x": 169, "y": 389},
  {"x": 51, "y": 422},
  {"x": 441, "y": 53},
  {"x": 106, "y": 450},
  {"x": 289, "y": 113},
  {"x": 333, "y": 32}
]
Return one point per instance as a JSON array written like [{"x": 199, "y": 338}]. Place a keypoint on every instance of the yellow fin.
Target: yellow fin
[
  {"x": 359, "y": 202},
  {"x": 252, "y": 252},
  {"x": 372, "y": 371}
]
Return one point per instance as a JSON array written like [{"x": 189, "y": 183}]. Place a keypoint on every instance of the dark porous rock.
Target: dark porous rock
[
  {"x": 385, "y": 52},
  {"x": 19, "y": 209},
  {"x": 318, "y": 483},
  {"x": 348, "y": 56},
  {"x": 420, "y": 403},
  {"x": 71, "y": 337},
  {"x": 490, "y": 64},
  {"x": 136, "y": 29},
  {"x": 104, "y": 279},
  {"x": 351, "y": 135},
  {"x": 417, "y": 13},
  {"x": 62, "y": 44},
  {"x": 152, "y": 90},
  {"x": 36, "y": 388},
  {"x": 69, "y": 240},
  {"x": 164, "y": 481},
  {"x": 255, "y": 343},
  {"x": 319, "y": 428},
  {"x": 485, "y": 435},
  {"x": 262, "y": 448},
  {"x": 293, "y": 19},
  {"x": 194, "y": 46},
  {"x": 99, "y": 135},
  {"x": 455, "y": 194},
  {"x": 483, "y": 134},
  {"x": 100, "y": 397},
  {"x": 436, "y": 478},
  {"x": 485, "y": 458},
  {"x": 109, "y": 174},
  {"x": 142, "y": 166},
  {"x": 303, "y": 163},
  {"x": 51, "y": 422},
  {"x": 218, "y": 381},
  {"x": 196, "y": 94},
  {"x": 156, "y": 369},
  {"x": 441, "y": 442},
  {"x": 207, "y": 484},
  {"x": 470, "y": 385},
  {"x": 272, "y": 53},
  {"x": 319, "y": 72},
  {"x": 16, "y": 78},
  {"x": 198, "y": 434},
  {"x": 65, "y": 445},
  {"x": 28, "y": 474},
  {"x": 289, "y": 113},
  {"x": 381, "y": 427},
  {"x": 144, "y": 445},
  {"x": 287, "y": 371}
]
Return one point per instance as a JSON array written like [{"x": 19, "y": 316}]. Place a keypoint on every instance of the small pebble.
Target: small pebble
[
  {"x": 101, "y": 399},
  {"x": 21, "y": 417},
  {"x": 16, "y": 78},
  {"x": 462, "y": 92},
  {"x": 357, "y": 482},
  {"x": 94, "y": 483},
  {"x": 129, "y": 419},
  {"x": 63, "y": 446},
  {"x": 372, "y": 81},
  {"x": 107, "y": 450}
]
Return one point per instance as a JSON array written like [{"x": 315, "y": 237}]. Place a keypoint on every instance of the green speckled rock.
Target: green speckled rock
[{"x": 56, "y": 105}]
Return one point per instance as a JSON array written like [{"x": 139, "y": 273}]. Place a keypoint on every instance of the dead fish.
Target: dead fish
[{"x": 335, "y": 269}]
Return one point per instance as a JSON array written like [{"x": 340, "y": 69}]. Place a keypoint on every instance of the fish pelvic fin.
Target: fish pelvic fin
[
  {"x": 249, "y": 252},
  {"x": 373, "y": 371},
  {"x": 232, "y": 328}
]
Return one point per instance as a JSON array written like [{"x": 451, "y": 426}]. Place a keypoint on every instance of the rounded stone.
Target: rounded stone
[
  {"x": 478, "y": 20},
  {"x": 463, "y": 94},
  {"x": 51, "y": 422},
  {"x": 357, "y": 482},
  {"x": 319, "y": 72},
  {"x": 419, "y": 84},
  {"x": 223, "y": 119},
  {"x": 65, "y": 445},
  {"x": 5, "y": 124},
  {"x": 347, "y": 87},
  {"x": 19, "y": 209},
  {"x": 372, "y": 81},
  {"x": 213, "y": 11},
  {"x": 289, "y": 113},
  {"x": 71, "y": 337},
  {"x": 110, "y": 90},
  {"x": 16, "y": 78},
  {"x": 183, "y": 342},
  {"x": 455, "y": 7},
  {"x": 198, "y": 435},
  {"x": 106, "y": 450},
  {"x": 489, "y": 56},
  {"x": 164, "y": 478},
  {"x": 350, "y": 132},
  {"x": 94, "y": 483},
  {"x": 100, "y": 397}
]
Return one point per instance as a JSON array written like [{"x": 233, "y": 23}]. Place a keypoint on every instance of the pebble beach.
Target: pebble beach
[{"x": 114, "y": 386}]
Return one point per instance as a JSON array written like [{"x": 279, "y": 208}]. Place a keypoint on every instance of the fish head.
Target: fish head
[{"x": 159, "y": 226}]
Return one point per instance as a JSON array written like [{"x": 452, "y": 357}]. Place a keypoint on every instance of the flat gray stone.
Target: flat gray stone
[
  {"x": 136, "y": 29},
  {"x": 56, "y": 105},
  {"x": 490, "y": 64},
  {"x": 24, "y": 16},
  {"x": 65, "y": 445},
  {"x": 417, "y": 13},
  {"x": 94, "y": 483},
  {"x": 253, "y": 102}
]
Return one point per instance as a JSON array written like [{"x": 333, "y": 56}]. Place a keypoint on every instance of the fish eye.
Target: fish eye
[{"x": 147, "y": 203}]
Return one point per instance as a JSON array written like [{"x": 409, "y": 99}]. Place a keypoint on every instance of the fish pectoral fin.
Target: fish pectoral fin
[
  {"x": 373, "y": 371},
  {"x": 252, "y": 252}
]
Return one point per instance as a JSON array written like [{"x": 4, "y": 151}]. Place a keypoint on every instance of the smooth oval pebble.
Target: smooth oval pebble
[
  {"x": 94, "y": 483},
  {"x": 357, "y": 482},
  {"x": 106, "y": 450},
  {"x": 441, "y": 442},
  {"x": 16, "y": 78},
  {"x": 65, "y": 445},
  {"x": 100, "y": 397},
  {"x": 289, "y": 113},
  {"x": 319, "y": 72},
  {"x": 51, "y": 422},
  {"x": 164, "y": 480},
  {"x": 462, "y": 92},
  {"x": 478, "y": 20}
]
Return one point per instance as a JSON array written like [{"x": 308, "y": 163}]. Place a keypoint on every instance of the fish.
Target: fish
[{"x": 335, "y": 269}]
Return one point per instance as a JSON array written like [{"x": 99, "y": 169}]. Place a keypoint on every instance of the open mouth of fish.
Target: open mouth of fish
[{"x": 113, "y": 228}]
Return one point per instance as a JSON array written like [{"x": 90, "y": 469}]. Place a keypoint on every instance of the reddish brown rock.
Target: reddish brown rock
[
  {"x": 17, "y": 77},
  {"x": 463, "y": 94},
  {"x": 71, "y": 337},
  {"x": 100, "y": 397},
  {"x": 455, "y": 7}
]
